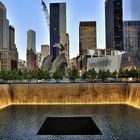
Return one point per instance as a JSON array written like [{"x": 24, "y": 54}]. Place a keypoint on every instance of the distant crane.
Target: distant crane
[{"x": 46, "y": 13}]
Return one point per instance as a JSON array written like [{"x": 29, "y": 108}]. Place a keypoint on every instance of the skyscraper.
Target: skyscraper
[
  {"x": 131, "y": 10},
  {"x": 114, "y": 24},
  {"x": 87, "y": 36},
  {"x": 131, "y": 35},
  {"x": 57, "y": 28},
  {"x": 31, "y": 40},
  {"x": 4, "y": 28},
  {"x": 131, "y": 17},
  {"x": 31, "y": 51},
  {"x": 131, "y": 28},
  {"x": 13, "y": 49},
  {"x": 8, "y": 50}
]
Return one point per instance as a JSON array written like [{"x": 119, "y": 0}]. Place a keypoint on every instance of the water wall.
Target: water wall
[
  {"x": 5, "y": 97},
  {"x": 69, "y": 93},
  {"x": 133, "y": 95},
  {"x": 79, "y": 93}
]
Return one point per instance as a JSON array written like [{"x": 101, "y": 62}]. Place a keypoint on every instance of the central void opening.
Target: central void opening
[{"x": 69, "y": 126}]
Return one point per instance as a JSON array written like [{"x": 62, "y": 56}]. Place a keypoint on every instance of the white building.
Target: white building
[
  {"x": 112, "y": 63},
  {"x": 101, "y": 59}
]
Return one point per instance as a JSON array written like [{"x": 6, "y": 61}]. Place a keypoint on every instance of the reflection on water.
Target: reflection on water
[{"x": 115, "y": 121}]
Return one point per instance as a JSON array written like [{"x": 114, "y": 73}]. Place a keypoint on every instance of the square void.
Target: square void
[{"x": 69, "y": 126}]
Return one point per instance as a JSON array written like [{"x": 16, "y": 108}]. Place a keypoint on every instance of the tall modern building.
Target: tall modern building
[
  {"x": 87, "y": 36},
  {"x": 4, "y": 28},
  {"x": 131, "y": 10},
  {"x": 13, "y": 49},
  {"x": 114, "y": 24},
  {"x": 57, "y": 28},
  {"x": 131, "y": 35},
  {"x": 31, "y": 40},
  {"x": 8, "y": 50},
  {"x": 131, "y": 27},
  {"x": 31, "y": 51}
]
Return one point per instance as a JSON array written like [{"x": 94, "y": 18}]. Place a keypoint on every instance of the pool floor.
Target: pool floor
[{"x": 116, "y": 122}]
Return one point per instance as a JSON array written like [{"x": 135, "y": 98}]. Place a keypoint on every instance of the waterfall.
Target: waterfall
[
  {"x": 134, "y": 95},
  {"x": 72, "y": 93},
  {"x": 4, "y": 96}
]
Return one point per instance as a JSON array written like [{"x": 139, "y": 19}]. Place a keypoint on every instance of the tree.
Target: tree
[
  {"x": 133, "y": 73},
  {"x": 46, "y": 75},
  {"x": 121, "y": 73},
  {"x": 29, "y": 75},
  {"x": 107, "y": 74},
  {"x": 57, "y": 75},
  {"x": 114, "y": 74},
  {"x": 101, "y": 74},
  {"x": 25, "y": 75},
  {"x": 19, "y": 75},
  {"x": 39, "y": 74},
  {"x": 138, "y": 72},
  {"x": 84, "y": 75},
  {"x": 91, "y": 74},
  {"x": 73, "y": 75}
]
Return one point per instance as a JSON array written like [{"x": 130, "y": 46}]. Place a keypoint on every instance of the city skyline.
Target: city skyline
[{"x": 23, "y": 20}]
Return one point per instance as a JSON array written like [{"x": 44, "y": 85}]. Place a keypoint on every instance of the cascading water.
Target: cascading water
[
  {"x": 80, "y": 93},
  {"x": 5, "y": 98},
  {"x": 134, "y": 95}
]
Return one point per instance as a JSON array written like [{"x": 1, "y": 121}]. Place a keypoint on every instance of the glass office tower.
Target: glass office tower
[
  {"x": 57, "y": 28},
  {"x": 131, "y": 35},
  {"x": 131, "y": 25},
  {"x": 131, "y": 28},
  {"x": 114, "y": 24},
  {"x": 131, "y": 10}
]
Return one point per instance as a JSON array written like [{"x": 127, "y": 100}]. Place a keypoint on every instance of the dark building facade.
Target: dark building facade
[
  {"x": 87, "y": 36},
  {"x": 131, "y": 35},
  {"x": 13, "y": 49},
  {"x": 57, "y": 28},
  {"x": 131, "y": 59},
  {"x": 114, "y": 24}
]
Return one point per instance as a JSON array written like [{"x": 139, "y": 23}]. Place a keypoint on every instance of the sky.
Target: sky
[{"x": 28, "y": 14}]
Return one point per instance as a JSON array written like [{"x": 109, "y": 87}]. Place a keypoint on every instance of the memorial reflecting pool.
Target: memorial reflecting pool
[{"x": 117, "y": 122}]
